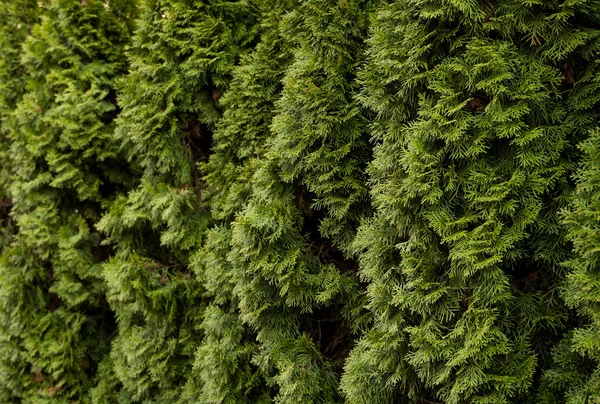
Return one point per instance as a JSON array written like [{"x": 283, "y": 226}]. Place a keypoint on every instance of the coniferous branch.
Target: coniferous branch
[
  {"x": 181, "y": 59},
  {"x": 253, "y": 201},
  {"x": 55, "y": 321}
]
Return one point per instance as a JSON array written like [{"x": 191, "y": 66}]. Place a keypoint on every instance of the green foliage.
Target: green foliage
[
  {"x": 16, "y": 18},
  {"x": 63, "y": 162},
  {"x": 319, "y": 131},
  {"x": 578, "y": 370},
  {"x": 299, "y": 201},
  {"x": 225, "y": 369},
  {"x": 295, "y": 286},
  {"x": 474, "y": 150},
  {"x": 181, "y": 60}
]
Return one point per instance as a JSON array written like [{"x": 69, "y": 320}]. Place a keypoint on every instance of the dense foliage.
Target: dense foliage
[{"x": 300, "y": 201}]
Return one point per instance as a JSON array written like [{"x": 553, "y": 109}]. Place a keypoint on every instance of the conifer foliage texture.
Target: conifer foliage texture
[{"x": 300, "y": 201}]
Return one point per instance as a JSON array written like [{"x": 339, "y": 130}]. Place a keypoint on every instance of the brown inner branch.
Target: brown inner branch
[{"x": 197, "y": 141}]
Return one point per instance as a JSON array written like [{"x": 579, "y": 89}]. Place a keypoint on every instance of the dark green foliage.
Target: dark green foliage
[
  {"x": 319, "y": 130},
  {"x": 299, "y": 201},
  {"x": 296, "y": 287},
  {"x": 16, "y": 18},
  {"x": 181, "y": 60},
  {"x": 63, "y": 167},
  {"x": 224, "y": 368},
  {"x": 475, "y": 149},
  {"x": 577, "y": 371}
]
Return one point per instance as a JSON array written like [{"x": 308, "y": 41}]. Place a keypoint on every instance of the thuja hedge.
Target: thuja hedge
[{"x": 300, "y": 201}]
